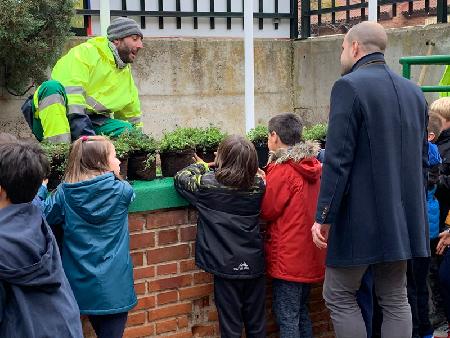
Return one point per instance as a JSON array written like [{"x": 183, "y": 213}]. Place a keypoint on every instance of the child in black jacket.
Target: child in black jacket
[{"x": 229, "y": 244}]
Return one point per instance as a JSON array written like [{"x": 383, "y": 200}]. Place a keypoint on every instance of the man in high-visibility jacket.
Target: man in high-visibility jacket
[{"x": 91, "y": 90}]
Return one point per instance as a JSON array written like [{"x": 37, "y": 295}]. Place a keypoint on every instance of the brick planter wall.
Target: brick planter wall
[{"x": 175, "y": 299}]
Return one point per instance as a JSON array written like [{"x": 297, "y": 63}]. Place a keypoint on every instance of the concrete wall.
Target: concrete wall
[
  {"x": 194, "y": 82},
  {"x": 316, "y": 65}
]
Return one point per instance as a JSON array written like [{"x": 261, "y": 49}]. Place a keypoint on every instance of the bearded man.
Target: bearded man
[{"x": 91, "y": 90}]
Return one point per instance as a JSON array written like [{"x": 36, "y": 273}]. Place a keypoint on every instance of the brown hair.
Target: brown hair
[
  {"x": 236, "y": 162},
  {"x": 7, "y": 138},
  {"x": 441, "y": 107},
  {"x": 88, "y": 157},
  {"x": 434, "y": 125}
]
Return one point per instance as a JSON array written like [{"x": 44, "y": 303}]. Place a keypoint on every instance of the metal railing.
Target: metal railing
[
  {"x": 348, "y": 8},
  {"x": 408, "y": 61},
  {"x": 161, "y": 14}
]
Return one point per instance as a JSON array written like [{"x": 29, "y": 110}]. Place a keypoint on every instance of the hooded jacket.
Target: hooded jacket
[
  {"x": 229, "y": 243},
  {"x": 96, "y": 251},
  {"x": 289, "y": 205},
  {"x": 35, "y": 297}
]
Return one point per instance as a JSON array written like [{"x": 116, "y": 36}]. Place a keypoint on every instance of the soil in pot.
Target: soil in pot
[
  {"x": 123, "y": 167},
  {"x": 263, "y": 154},
  {"x": 56, "y": 174},
  {"x": 137, "y": 169},
  {"x": 174, "y": 161}
]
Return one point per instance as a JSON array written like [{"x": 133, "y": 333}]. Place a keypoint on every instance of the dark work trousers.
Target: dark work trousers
[
  {"x": 109, "y": 326},
  {"x": 444, "y": 278},
  {"x": 241, "y": 303},
  {"x": 418, "y": 295}
]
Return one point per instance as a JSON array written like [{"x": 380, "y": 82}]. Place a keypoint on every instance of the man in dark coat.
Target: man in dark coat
[{"x": 371, "y": 209}]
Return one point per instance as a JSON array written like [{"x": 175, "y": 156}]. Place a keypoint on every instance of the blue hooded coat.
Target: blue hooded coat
[
  {"x": 35, "y": 297},
  {"x": 96, "y": 251}
]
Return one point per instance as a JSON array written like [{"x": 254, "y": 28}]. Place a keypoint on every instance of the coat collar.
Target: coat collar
[{"x": 377, "y": 57}]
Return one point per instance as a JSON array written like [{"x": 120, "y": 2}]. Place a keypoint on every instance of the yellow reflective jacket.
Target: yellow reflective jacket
[
  {"x": 445, "y": 81},
  {"x": 96, "y": 86}
]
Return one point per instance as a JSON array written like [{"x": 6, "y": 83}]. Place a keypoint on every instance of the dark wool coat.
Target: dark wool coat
[{"x": 373, "y": 184}]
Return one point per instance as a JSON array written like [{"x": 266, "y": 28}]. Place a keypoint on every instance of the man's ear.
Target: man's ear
[
  {"x": 355, "y": 48},
  {"x": 116, "y": 42}
]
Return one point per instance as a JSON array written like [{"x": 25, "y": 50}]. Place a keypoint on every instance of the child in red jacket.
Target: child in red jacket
[{"x": 289, "y": 204}]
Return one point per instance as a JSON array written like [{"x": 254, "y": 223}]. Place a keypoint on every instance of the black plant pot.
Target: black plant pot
[
  {"x": 137, "y": 169},
  {"x": 263, "y": 154},
  {"x": 174, "y": 161}
]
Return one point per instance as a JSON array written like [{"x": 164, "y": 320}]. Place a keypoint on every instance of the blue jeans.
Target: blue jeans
[{"x": 290, "y": 308}]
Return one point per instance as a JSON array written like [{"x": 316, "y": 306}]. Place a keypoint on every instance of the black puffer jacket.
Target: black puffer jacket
[{"x": 229, "y": 243}]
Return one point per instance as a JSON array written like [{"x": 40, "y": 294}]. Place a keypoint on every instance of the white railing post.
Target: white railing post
[
  {"x": 373, "y": 10},
  {"x": 249, "y": 66},
  {"x": 105, "y": 17}
]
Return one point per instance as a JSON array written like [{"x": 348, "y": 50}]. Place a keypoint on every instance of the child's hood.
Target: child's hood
[
  {"x": 302, "y": 157},
  {"x": 28, "y": 251},
  {"x": 95, "y": 200}
]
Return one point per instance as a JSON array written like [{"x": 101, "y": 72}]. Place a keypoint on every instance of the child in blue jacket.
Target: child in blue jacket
[
  {"x": 35, "y": 297},
  {"x": 92, "y": 204}
]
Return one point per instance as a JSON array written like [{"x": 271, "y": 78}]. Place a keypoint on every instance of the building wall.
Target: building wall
[{"x": 198, "y": 81}]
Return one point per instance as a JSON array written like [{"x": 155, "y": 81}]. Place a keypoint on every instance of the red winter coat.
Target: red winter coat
[{"x": 289, "y": 207}]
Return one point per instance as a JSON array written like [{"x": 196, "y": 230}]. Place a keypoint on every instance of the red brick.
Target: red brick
[
  {"x": 145, "y": 272},
  {"x": 167, "y": 237},
  {"x": 136, "y": 318},
  {"x": 167, "y": 297},
  {"x": 196, "y": 291},
  {"x": 140, "y": 288},
  {"x": 193, "y": 250},
  {"x": 170, "y": 283},
  {"x": 171, "y": 253},
  {"x": 188, "y": 233},
  {"x": 203, "y": 277},
  {"x": 166, "y": 326},
  {"x": 320, "y": 316},
  {"x": 136, "y": 222},
  {"x": 213, "y": 315},
  {"x": 147, "y": 302},
  {"x": 142, "y": 241},
  {"x": 188, "y": 265},
  {"x": 170, "y": 311},
  {"x": 137, "y": 258},
  {"x": 203, "y": 330},
  {"x": 167, "y": 269},
  {"x": 183, "y": 322},
  {"x": 161, "y": 219},
  {"x": 139, "y": 331}
]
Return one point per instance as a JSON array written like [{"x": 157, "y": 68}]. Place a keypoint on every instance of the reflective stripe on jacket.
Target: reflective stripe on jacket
[{"x": 49, "y": 112}]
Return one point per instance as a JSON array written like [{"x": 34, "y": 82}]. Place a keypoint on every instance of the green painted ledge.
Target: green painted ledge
[{"x": 157, "y": 194}]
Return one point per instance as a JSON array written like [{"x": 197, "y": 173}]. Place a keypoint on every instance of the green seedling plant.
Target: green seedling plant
[
  {"x": 258, "y": 135},
  {"x": 317, "y": 132}
]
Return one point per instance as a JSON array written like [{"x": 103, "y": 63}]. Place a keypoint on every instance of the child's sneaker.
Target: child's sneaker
[{"x": 442, "y": 331}]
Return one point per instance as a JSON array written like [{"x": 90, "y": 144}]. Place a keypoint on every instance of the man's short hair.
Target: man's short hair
[
  {"x": 434, "y": 125},
  {"x": 441, "y": 107},
  {"x": 23, "y": 166},
  {"x": 288, "y": 127}
]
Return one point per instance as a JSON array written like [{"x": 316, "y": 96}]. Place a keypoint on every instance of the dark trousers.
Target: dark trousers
[
  {"x": 241, "y": 303},
  {"x": 444, "y": 278},
  {"x": 290, "y": 306},
  {"x": 418, "y": 296},
  {"x": 109, "y": 326}
]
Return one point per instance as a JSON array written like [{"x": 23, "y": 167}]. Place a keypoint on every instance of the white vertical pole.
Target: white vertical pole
[
  {"x": 249, "y": 66},
  {"x": 373, "y": 10},
  {"x": 105, "y": 17}
]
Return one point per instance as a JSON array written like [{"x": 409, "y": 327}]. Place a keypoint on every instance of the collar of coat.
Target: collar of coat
[
  {"x": 296, "y": 153},
  {"x": 376, "y": 57}
]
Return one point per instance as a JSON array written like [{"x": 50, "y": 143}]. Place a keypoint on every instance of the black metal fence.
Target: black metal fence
[
  {"x": 161, "y": 14},
  {"x": 321, "y": 8},
  {"x": 307, "y": 13}
]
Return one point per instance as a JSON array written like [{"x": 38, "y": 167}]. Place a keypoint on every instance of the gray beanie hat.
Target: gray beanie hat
[{"x": 122, "y": 27}]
